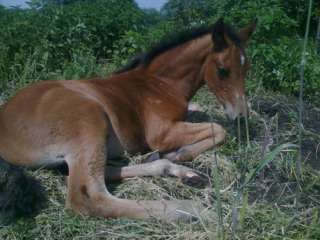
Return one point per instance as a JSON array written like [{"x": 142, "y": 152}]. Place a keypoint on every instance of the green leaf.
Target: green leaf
[{"x": 266, "y": 160}]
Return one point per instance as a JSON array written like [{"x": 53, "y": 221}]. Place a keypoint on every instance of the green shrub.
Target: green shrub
[
  {"x": 277, "y": 67},
  {"x": 59, "y": 37},
  {"x": 129, "y": 44}
]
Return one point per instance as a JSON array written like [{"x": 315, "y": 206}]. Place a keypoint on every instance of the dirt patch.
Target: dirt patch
[{"x": 285, "y": 112}]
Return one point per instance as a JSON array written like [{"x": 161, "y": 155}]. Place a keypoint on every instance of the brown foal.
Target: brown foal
[{"x": 140, "y": 108}]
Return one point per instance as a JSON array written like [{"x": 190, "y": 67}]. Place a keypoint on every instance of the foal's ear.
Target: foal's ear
[
  {"x": 218, "y": 36},
  {"x": 246, "y": 32}
]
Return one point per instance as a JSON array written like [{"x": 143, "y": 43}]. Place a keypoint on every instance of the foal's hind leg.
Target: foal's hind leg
[
  {"x": 88, "y": 194},
  {"x": 161, "y": 167}
]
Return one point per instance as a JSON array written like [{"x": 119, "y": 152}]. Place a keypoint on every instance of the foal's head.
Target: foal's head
[{"x": 226, "y": 66}]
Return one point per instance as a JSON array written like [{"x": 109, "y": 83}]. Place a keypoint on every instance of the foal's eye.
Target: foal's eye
[{"x": 223, "y": 73}]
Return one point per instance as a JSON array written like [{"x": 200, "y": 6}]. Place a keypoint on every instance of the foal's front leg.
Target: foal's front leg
[{"x": 191, "y": 139}]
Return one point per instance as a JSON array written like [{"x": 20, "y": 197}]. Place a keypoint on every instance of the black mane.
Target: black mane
[{"x": 175, "y": 40}]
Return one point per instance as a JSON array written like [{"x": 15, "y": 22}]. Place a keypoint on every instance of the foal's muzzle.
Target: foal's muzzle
[{"x": 237, "y": 109}]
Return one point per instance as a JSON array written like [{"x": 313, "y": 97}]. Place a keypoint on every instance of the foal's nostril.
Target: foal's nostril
[
  {"x": 225, "y": 107},
  {"x": 244, "y": 114}
]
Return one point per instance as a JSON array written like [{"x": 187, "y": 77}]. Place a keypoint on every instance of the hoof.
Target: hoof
[{"x": 195, "y": 180}]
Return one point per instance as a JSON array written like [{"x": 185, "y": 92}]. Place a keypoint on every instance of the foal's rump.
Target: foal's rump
[{"x": 41, "y": 122}]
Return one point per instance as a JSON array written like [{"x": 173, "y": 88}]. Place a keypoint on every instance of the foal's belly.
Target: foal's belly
[
  {"x": 116, "y": 150},
  {"x": 114, "y": 147}
]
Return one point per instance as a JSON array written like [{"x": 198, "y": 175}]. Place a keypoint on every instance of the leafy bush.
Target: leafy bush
[
  {"x": 277, "y": 67},
  {"x": 55, "y": 38},
  {"x": 189, "y": 12},
  {"x": 129, "y": 44}
]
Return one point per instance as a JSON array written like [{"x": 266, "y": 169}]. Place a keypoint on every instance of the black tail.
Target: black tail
[{"x": 20, "y": 194}]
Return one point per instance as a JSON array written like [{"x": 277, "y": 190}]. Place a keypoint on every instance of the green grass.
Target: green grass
[{"x": 257, "y": 185}]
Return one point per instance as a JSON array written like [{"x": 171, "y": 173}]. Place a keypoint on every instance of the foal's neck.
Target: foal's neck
[{"x": 182, "y": 66}]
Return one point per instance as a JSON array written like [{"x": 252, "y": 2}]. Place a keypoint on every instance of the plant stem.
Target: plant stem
[{"x": 303, "y": 63}]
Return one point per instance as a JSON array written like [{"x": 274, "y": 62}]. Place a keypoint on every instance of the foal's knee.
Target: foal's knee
[{"x": 219, "y": 133}]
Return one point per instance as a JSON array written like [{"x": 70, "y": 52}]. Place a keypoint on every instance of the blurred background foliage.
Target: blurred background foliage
[{"x": 82, "y": 38}]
